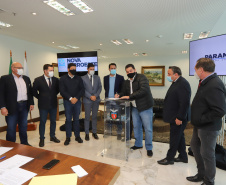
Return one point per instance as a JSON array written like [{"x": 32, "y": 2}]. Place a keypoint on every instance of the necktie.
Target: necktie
[
  {"x": 200, "y": 81},
  {"x": 91, "y": 79},
  {"x": 50, "y": 85}
]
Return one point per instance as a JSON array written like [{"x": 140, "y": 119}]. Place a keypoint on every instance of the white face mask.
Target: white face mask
[
  {"x": 20, "y": 71},
  {"x": 50, "y": 74},
  {"x": 91, "y": 72},
  {"x": 196, "y": 76}
]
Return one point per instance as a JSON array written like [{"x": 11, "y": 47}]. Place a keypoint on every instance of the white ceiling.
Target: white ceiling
[{"x": 137, "y": 20}]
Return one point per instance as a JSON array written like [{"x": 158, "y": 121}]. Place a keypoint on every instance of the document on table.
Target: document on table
[
  {"x": 14, "y": 162},
  {"x": 79, "y": 171},
  {"x": 16, "y": 176},
  {"x": 4, "y": 149},
  {"x": 113, "y": 98},
  {"x": 69, "y": 179}
]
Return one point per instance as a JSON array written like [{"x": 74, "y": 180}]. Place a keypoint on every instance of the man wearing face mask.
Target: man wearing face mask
[
  {"x": 113, "y": 84},
  {"x": 16, "y": 100},
  {"x": 137, "y": 89},
  {"x": 72, "y": 89},
  {"x": 208, "y": 108},
  {"x": 176, "y": 111},
  {"x": 91, "y": 99},
  {"x": 45, "y": 89}
]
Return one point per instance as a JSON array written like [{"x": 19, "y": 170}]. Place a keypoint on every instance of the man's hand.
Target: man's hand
[
  {"x": 93, "y": 98},
  {"x": 125, "y": 97},
  {"x": 178, "y": 122},
  {"x": 31, "y": 107},
  {"x": 74, "y": 100},
  {"x": 4, "y": 112},
  {"x": 116, "y": 95}
]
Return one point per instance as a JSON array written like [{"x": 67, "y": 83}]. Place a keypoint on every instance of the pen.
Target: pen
[{"x": 2, "y": 157}]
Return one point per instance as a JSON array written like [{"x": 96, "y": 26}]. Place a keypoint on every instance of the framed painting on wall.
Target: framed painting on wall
[{"x": 154, "y": 74}]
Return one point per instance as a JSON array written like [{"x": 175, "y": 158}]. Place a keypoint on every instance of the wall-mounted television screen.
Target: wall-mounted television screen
[
  {"x": 81, "y": 59},
  {"x": 211, "y": 47}
]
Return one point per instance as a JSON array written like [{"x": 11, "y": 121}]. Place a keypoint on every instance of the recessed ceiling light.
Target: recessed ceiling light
[
  {"x": 136, "y": 54},
  {"x": 101, "y": 44},
  {"x": 59, "y": 7},
  {"x": 81, "y": 6},
  {"x": 184, "y": 52},
  {"x": 146, "y": 40},
  {"x": 188, "y": 35},
  {"x": 127, "y": 41},
  {"x": 144, "y": 54},
  {"x": 5, "y": 24},
  {"x": 204, "y": 34},
  {"x": 33, "y": 13},
  {"x": 64, "y": 47},
  {"x": 73, "y": 47},
  {"x": 116, "y": 42},
  {"x": 53, "y": 42}
]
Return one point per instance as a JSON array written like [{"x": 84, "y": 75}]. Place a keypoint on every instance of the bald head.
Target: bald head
[{"x": 15, "y": 66}]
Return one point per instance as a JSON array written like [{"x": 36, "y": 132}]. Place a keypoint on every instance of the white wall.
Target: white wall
[
  {"x": 37, "y": 56},
  {"x": 181, "y": 61}
]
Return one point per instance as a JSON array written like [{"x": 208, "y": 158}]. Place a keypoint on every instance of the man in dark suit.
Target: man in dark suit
[
  {"x": 91, "y": 99},
  {"x": 45, "y": 89},
  {"x": 176, "y": 111},
  {"x": 113, "y": 82},
  {"x": 208, "y": 108},
  {"x": 72, "y": 89},
  {"x": 15, "y": 101}
]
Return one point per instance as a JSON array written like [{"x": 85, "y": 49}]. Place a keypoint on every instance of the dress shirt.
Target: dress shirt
[
  {"x": 47, "y": 79},
  {"x": 111, "y": 86},
  {"x": 21, "y": 88}
]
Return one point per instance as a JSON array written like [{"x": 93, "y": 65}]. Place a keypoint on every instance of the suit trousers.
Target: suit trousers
[
  {"x": 43, "y": 117},
  {"x": 20, "y": 118},
  {"x": 93, "y": 106},
  {"x": 177, "y": 142},
  {"x": 203, "y": 144}
]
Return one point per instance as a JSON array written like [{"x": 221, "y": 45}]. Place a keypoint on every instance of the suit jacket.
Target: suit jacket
[
  {"x": 141, "y": 92},
  {"x": 208, "y": 106},
  {"x": 89, "y": 90},
  {"x": 47, "y": 98},
  {"x": 8, "y": 93},
  {"x": 177, "y": 101},
  {"x": 118, "y": 84}
]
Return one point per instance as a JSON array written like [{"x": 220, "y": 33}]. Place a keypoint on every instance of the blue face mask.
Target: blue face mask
[
  {"x": 113, "y": 71},
  {"x": 169, "y": 78}
]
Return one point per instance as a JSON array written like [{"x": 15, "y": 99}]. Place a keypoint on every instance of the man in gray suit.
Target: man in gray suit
[{"x": 91, "y": 99}]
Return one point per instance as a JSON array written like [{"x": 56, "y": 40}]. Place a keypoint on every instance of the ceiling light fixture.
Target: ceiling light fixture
[
  {"x": 144, "y": 54},
  {"x": 127, "y": 41},
  {"x": 204, "y": 34},
  {"x": 5, "y": 24},
  {"x": 73, "y": 47},
  {"x": 184, "y": 52},
  {"x": 59, "y": 7},
  {"x": 159, "y": 36},
  {"x": 53, "y": 42},
  {"x": 63, "y": 47},
  {"x": 33, "y": 13},
  {"x": 188, "y": 35},
  {"x": 146, "y": 40},
  {"x": 101, "y": 44},
  {"x": 116, "y": 42},
  {"x": 81, "y": 6},
  {"x": 136, "y": 54}
]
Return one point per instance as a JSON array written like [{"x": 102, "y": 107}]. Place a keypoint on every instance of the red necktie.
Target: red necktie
[{"x": 200, "y": 81}]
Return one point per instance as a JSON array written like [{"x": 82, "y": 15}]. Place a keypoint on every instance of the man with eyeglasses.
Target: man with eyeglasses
[{"x": 16, "y": 100}]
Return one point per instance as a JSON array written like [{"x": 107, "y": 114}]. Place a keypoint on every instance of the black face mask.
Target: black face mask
[
  {"x": 73, "y": 71},
  {"x": 131, "y": 75}
]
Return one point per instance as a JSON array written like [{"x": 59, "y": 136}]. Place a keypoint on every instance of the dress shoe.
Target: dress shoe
[
  {"x": 180, "y": 160},
  {"x": 196, "y": 178},
  {"x": 95, "y": 136},
  {"x": 135, "y": 147},
  {"x": 165, "y": 162},
  {"x": 79, "y": 139},
  {"x": 67, "y": 141},
  {"x": 27, "y": 144},
  {"x": 54, "y": 139},
  {"x": 87, "y": 137},
  {"x": 149, "y": 153},
  {"x": 41, "y": 143},
  {"x": 119, "y": 136}
]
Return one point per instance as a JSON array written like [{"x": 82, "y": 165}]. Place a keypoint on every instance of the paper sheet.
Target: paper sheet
[
  {"x": 79, "y": 171},
  {"x": 14, "y": 162},
  {"x": 4, "y": 149},
  {"x": 16, "y": 176},
  {"x": 69, "y": 179}
]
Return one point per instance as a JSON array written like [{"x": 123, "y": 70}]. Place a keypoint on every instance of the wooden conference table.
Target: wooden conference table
[{"x": 98, "y": 173}]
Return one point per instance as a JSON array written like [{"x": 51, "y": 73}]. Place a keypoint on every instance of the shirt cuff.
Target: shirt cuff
[{"x": 70, "y": 98}]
